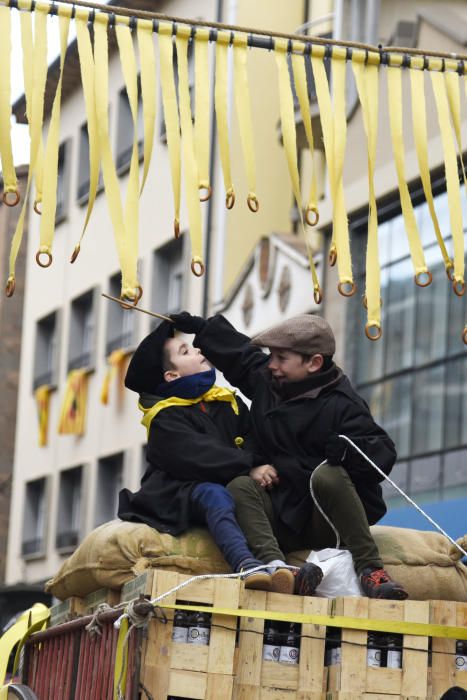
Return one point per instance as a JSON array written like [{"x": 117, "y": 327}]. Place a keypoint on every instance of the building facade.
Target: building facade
[{"x": 256, "y": 275}]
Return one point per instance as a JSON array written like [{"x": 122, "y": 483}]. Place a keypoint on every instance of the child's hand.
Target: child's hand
[{"x": 265, "y": 475}]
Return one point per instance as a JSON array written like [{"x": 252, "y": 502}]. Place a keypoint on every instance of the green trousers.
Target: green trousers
[{"x": 269, "y": 538}]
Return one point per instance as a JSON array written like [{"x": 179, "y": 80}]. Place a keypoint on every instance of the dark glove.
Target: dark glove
[
  {"x": 335, "y": 449},
  {"x": 186, "y": 323}
]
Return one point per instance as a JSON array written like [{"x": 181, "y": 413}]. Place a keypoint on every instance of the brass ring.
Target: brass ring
[
  {"x": 176, "y": 228},
  {"x": 127, "y": 302},
  {"x": 318, "y": 295},
  {"x": 332, "y": 256},
  {"x": 49, "y": 258},
  {"x": 458, "y": 287},
  {"x": 450, "y": 270},
  {"x": 36, "y": 207},
  {"x": 12, "y": 202},
  {"x": 423, "y": 284},
  {"x": 208, "y": 193},
  {"x": 229, "y": 199},
  {"x": 368, "y": 333},
  {"x": 75, "y": 253},
  {"x": 347, "y": 292},
  {"x": 464, "y": 335},
  {"x": 311, "y": 210},
  {"x": 10, "y": 285},
  {"x": 253, "y": 203},
  {"x": 197, "y": 267}
]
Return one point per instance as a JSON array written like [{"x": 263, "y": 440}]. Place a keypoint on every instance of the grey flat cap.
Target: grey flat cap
[{"x": 307, "y": 334}]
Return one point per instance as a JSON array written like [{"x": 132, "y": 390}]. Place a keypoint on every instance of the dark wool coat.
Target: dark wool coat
[
  {"x": 291, "y": 434},
  {"x": 187, "y": 445}
]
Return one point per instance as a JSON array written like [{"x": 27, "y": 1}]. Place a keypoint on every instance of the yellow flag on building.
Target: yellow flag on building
[
  {"x": 115, "y": 366},
  {"x": 42, "y": 396},
  {"x": 73, "y": 413}
]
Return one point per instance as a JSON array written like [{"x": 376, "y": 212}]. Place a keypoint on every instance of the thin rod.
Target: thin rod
[
  {"x": 127, "y": 305},
  {"x": 257, "y": 38}
]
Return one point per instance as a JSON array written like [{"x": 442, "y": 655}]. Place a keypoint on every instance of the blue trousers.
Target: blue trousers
[{"x": 212, "y": 505}]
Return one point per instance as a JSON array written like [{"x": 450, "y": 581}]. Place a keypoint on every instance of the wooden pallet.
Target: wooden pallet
[{"x": 443, "y": 670}]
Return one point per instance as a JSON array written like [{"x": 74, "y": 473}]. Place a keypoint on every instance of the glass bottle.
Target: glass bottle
[
  {"x": 373, "y": 655},
  {"x": 271, "y": 641},
  {"x": 199, "y": 629},
  {"x": 461, "y": 655},
  {"x": 180, "y": 627},
  {"x": 290, "y": 646}
]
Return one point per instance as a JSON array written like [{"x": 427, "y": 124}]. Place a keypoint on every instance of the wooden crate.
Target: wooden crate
[
  {"x": 354, "y": 678},
  {"x": 443, "y": 667}
]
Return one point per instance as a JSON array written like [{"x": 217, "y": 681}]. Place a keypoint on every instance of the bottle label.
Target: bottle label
[
  {"x": 394, "y": 658},
  {"x": 271, "y": 652},
  {"x": 180, "y": 635},
  {"x": 289, "y": 655},
  {"x": 373, "y": 657},
  {"x": 336, "y": 655},
  {"x": 461, "y": 663},
  {"x": 198, "y": 635}
]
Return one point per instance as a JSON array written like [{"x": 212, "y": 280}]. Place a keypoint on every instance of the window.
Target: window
[
  {"x": 168, "y": 276},
  {"x": 125, "y": 130},
  {"x": 82, "y": 331},
  {"x": 34, "y": 518},
  {"x": 46, "y": 355},
  {"x": 63, "y": 181},
  {"x": 415, "y": 381},
  {"x": 83, "y": 165},
  {"x": 109, "y": 483},
  {"x": 121, "y": 323},
  {"x": 69, "y": 509}
]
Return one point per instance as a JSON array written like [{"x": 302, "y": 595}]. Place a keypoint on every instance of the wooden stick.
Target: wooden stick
[{"x": 136, "y": 308}]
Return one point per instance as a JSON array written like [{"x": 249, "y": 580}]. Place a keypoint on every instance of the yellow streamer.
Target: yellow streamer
[
  {"x": 190, "y": 167},
  {"x": 148, "y": 89},
  {"x": 452, "y": 179},
  {"x": 131, "y": 288},
  {"x": 421, "y": 145},
  {"x": 453, "y": 92},
  {"x": 395, "y": 120},
  {"x": 220, "y": 104},
  {"x": 290, "y": 144},
  {"x": 366, "y": 76},
  {"x": 121, "y": 661},
  {"x": 172, "y": 122},
  {"x": 31, "y": 619},
  {"x": 6, "y": 153},
  {"x": 47, "y": 227},
  {"x": 131, "y": 215},
  {"x": 202, "y": 110},
  {"x": 298, "y": 66},
  {"x": 73, "y": 411},
  {"x": 86, "y": 60},
  {"x": 35, "y": 112},
  {"x": 243, "y": 105},
  {"x": 115, "y": 361},
  {"x": 42, "y": 396}
]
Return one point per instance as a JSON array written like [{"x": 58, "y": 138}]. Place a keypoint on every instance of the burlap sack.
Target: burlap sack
[{"x": 424, "y": 562}]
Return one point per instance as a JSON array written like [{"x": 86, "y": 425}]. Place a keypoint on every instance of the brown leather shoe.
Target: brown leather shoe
[{"x": 283, "y": 581}]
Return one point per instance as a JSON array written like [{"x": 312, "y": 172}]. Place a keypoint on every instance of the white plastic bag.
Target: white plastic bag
[{"x": 339, "y": 577}]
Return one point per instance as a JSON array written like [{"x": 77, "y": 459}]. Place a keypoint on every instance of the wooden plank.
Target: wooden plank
[
  {"x": 442, "y": 612},
  {"x": 353, "y": 667},
  {"x": 187, "y": 684},
  {"x": 415, "y": 663},
  {"x": 219, "y": 686},
  {"x": 312, "y": 676},
  {"x": 189, "y": 657},
  {"x": 248, "y": 680},
  {"x": 383, "y": 680},
  {"x": 461, "y": 621},
  {"x": 278, "y": 675},
  {"x": 223, "y": 628},
  {"x": 201, "y": 591},
  {"x": 68, "y": 610}
]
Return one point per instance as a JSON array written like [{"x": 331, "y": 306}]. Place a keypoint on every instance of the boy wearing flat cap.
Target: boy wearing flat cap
[
  {"x": 195, "y": 433},
  {"x": 301, "y": 403}
]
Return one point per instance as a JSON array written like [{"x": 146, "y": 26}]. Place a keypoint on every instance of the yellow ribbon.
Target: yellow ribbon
[
  {"x": 47, "y": 226},
  {"x": 453, "y": 93},
  {"x": 6, "y": 153},
  {"x": 115, "y": 362},
  {"x": 202, "y": 109},
  {"x": 148, "y": 89},
  {"x": 172, "y": 123},
  {"x": 220, "y": 104},
  {"x": 86, "y": 60},
  {"x": 73, "y": 412},
  {"x": 121, "y": 661},
  {"x": 452, "y": 179},
  {"x": 298, "y": 67},
  {"x": 215, "y": 393},
  {"x": 395, "y": 120},
  {"x": 189, "y": 159},
  {"x": 245, "y": 124},
  {"x": 29, "y": 621},
  {"x": 421, "y": 145},
  {"x": 290, "y": 144},
  {"x": 42, "y": 396},
  {"x": 366, "y": 77}
]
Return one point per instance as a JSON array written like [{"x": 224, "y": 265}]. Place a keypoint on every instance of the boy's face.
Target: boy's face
[
  {"x": 290, "y": 366},
  {"x": 185, "y": 359}
]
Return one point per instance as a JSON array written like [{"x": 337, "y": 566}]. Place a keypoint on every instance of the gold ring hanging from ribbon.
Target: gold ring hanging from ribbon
[
  {"x": 207, "y": 193},
  {"x": 420, "y": 282},
  {"x": 48, "y": 263},
  {"x": 458, "y": 287},
  {"x": 75, "y": 253},
  {"x": 37, "y": 208},
  {"x": 332, "y": 255},
  {"x": 197, "y": 267},
  {"x": 253, "y": 203},
  {"x": 127, "y": 301},
  {"x": 229, "y": 199},
  {"x": 347, "y": 289},
  {"x": 308, "y": 212},
  {"x": 318, "y": 295},
  {"x": 11, "y": 202},
  {"x": 373, "y": 326},
  {"x": 10, "y": 287}
]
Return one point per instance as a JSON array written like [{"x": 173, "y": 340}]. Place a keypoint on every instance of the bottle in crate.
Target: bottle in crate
[
  {"x": 461, "y": 655},
  {"x": 180, "y": 627},
  {"x": 200, "y": 628},
  {"x": 333, "y": 649},
  {"x": 271, "y": 641},
  {"x": 394, "y": 650},
  {"x": 373, "y": 655},
  {"x": 290, "y": 645}
]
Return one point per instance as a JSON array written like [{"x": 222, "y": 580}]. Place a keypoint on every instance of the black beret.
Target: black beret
[{"x": 145, "y": 372}]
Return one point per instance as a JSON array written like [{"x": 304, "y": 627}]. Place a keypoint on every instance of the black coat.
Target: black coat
[
  {"x": 187, "y": 445},
  {"x": 291, "y": 434}
]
